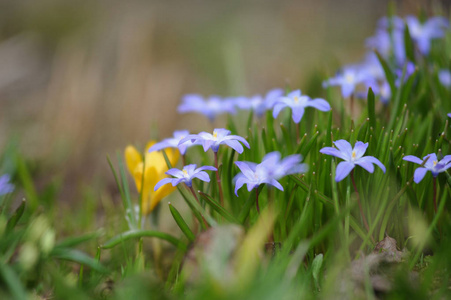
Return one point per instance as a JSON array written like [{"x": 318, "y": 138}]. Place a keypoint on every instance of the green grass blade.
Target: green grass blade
[
  {"x": 134, "y": 234},
  {"x": 78, "y": 257},
  {"x": 181, "y": 223},
  {"x": 14, "y": 219},
  {"x": 75, "y": 241},
  {"x": 218, "y": 208}
]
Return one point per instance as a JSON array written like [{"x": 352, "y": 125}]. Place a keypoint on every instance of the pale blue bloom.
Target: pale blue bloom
[
  {"x": 445, "y": 77},
  {"x": 269, "y": 171},
  {"x": 258, "y": 103},
  {"x": 211, "y": 107},
  {"x": 186, "y": 175},
  {"x": 5, "y": 186},
  {"x": 298, "y": 103},
  {"x": 174, "y": 142},
  {"x": 432, "y": 164},
  {"x": 389, "y": 43},
  {"x": 352, "y": 157},
  {"x": 423, "y": 33},
  {"x": 213, "y": 141},
  {"x": 348, "y": 79}
]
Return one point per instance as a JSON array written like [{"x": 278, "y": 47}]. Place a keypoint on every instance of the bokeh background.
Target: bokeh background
[{"x": 82, "y": 79}]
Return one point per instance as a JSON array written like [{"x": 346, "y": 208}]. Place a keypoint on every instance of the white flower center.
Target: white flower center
[
  {"x": 349, "y": 78},
  {"x": 353, "y": 155}
]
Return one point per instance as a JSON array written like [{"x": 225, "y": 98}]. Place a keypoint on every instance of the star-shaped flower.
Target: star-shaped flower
[
  {"x": 298, "y": 103},
  {"x": 268, "y": 171},
  {"x": 258, "y": 103},
  {"x": 212, "y": 107},
  {"x": 432, "y": 164},
  {"x": 186, "y": 175},
  {"x": 352, "y": 157},
  {"x": 348, "y": 79},
  {"x": 213, "y": 141},
  {"x": 173, "y": 142},
  {"x": 423, "y": 33}
]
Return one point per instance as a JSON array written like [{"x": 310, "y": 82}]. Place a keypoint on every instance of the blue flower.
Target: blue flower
[
  {"x": 352, "y": 157},
  {"x": 258, "y": 103},
  {"x": 432, "y": 164},
  {"x": 173, "y": 142},
  {"x": 212, "y": 107},
  {"x": 5, "y": 186},
  {"x": 298, "y": 103},
  {"x": 423, "y": 33},
  {"x": 268, "y": 171},
  {"x": 389, "y": 42},
  {"x": 213, "y": 141},
  {"x": 445, "y": 77},
  {"x": 348, "y": 79},
  {"x": 186, "y": 175}
]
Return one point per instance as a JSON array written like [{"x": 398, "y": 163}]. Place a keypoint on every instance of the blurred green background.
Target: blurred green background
[{"x": 80, "y": 79}]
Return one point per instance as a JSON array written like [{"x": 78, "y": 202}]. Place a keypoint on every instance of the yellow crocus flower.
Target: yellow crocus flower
[{"x": 154, "y": 170}]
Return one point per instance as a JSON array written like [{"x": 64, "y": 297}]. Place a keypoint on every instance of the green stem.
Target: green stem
[
  {"x": 434, "y": 196},
  {"x": 360, "y": 206},
  {"x": 256, "y": 201},
  {"x": 218, "y": 181},
  {"x": 197, "y": 199}
]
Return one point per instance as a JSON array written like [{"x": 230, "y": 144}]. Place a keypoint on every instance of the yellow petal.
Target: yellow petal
[
  {"x": 132, "y": 158},
  {"x": 138, "y": 176},
  {"x": 154, "y": 170},
  {"x": 156, "y": 197},
  {"x": 150, "y": 179}
]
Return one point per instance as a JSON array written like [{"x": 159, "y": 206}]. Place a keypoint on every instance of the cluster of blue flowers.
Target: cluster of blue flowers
[
  {"x": 269, "y": 171},
  {"x": 388, "y": 41},
  {"x": 274, "y": 100}
]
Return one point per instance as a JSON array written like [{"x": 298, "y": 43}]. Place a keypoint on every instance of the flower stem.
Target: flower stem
[
  {"x": 197, "y": 199},
  {"x": 352, "y": 105},
  {"x": 256, "y": 200},
  {"x": 183, "y": 160},
  {"x": 298, "y": 137},
  {"x": 360, "y": 205},
  {"x": 434, "y": 196},
  {"x": 218, "y": 181}
]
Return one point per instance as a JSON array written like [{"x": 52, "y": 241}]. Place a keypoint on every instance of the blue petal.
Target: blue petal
[
  {"x": 277, "y": 108},
  {"x": 345, "y": 148},
  {"x": 334, "y": 152},
  {"x": 175, "y": 172},
  {"x": 202, "y": 176},
  {"x": 235, "y": 145},
  {"x": 245, "y": 169},
  {"x": 413, "y": 159},
  {"x": 239, "y": 183},
  {"x": 343, "y": 170},
  {"x": 347, "y": 89},
  {"x": 297, "y": 113},
  {"x": 276, "y": 184},
  {"x": 295, "y": 93},
  {"x": 360, "y": 149},
  {"x": 373, "y": 160},
  {"x": 319, "y": 104},
  {"x": 365, "y": 164},
  {"x": 207, "y": 168},
  {"x": 419, "y": 174},
  {"x": 162, "y": 182}
]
